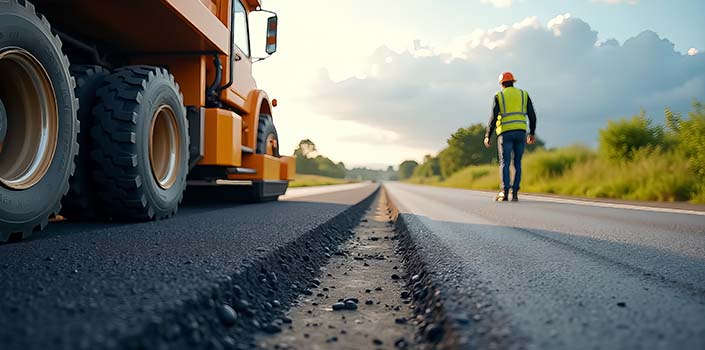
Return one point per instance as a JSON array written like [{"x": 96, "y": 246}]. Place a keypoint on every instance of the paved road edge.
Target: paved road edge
[{"x": 228, "y": 314}]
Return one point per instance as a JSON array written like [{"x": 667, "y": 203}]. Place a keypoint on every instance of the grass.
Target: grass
[
  {"x": 652, "y": 175},
  {"x": 303, "y": 180}
]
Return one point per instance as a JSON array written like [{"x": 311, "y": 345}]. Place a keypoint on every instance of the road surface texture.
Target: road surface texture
[
  {"x": 554, "y": 274},
  {"x": 359, "y": 302},
  {"x": 209, "y": 278}
]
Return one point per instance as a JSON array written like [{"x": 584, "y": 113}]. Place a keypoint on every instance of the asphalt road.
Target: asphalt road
[
  {"x": 558, "y": 274},
  {"x": 81, "y": 284}
]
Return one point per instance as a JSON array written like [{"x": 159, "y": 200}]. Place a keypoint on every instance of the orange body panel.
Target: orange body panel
[
  {"x": 288, "y": 168},
  {"x": 140, "y": 26},
  {"x": 268, "y": 168},
  {"x": 183, "y": 36},
  {"x": 223, "y": 145}
]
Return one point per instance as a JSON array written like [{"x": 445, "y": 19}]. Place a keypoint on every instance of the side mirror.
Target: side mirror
[{"x": 271, "y": 35}]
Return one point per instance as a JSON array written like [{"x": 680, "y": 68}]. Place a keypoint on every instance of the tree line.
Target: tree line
[
  {"x": 464, "y": 148},
  {"x": 309, "y": 161}
]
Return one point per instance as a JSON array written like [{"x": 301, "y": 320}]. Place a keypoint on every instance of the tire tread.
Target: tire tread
[{"x": 120, "y": 184}]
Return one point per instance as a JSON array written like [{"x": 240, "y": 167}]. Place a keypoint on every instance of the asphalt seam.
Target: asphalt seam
[{"x": 228, "y": 314}]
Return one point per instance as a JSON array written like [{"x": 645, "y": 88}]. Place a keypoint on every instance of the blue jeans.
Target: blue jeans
[{"x": 508, "y": 143}]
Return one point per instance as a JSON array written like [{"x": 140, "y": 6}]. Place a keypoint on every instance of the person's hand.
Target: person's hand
[
  {"x": 531, "y": 139},
  {"x": 487, "y": 142}
]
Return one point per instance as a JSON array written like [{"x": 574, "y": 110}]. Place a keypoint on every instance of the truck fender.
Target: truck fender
[{"x": 262, "y": 105}]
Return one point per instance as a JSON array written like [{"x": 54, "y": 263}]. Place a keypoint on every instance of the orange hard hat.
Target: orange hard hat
[{"x": 505, "y": 77}]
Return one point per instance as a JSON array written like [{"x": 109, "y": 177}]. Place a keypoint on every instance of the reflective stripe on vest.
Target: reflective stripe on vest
[{"x": 513, "y": 115}]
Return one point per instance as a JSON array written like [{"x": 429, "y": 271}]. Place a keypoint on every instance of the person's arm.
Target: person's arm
[
  {"x": 532, "y": 117},
  {"x": 493, "y": 119}
]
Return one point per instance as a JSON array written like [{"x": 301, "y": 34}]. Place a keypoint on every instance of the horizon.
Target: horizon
[{"x": 399, "y": 88}]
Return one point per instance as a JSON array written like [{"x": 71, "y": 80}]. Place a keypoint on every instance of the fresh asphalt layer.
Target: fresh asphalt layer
[
  {"x": 89, "y": 285},
  {"x": 551, "y": 274}
]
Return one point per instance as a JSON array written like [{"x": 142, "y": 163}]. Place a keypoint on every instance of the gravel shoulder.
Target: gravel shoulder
[{"x": 360, "y": 300}]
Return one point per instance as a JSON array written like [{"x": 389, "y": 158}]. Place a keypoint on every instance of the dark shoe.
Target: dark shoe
[{"x": 515, "y": 196}]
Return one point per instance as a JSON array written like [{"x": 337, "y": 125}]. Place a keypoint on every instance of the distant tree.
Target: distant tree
[
  {"x": 406, "y": 169},
  {"x": 430, "y": 167},
  {"x": 622, "y": 138},
  {"x": 308, "y": 161},
  {"x": 392, "y": 174},
  {"x": 307, "y": 148},
  {"x": 465, "y": 147}
]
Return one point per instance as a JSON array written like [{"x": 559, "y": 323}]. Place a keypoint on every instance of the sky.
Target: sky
[{"x": 374, "y": 83}]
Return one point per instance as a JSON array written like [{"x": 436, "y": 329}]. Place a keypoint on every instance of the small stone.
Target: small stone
[
  {"x": 332, "y": 340},
  {"x": 415, "y": 278},
  {"x": 368, "y": 290},
  {"x": 338, "y": 306},
  {"x": 286, "y": 320},
  {"x": 369, "y": 302},
  {"x": 434, "y": 333},
  {"x": 307, "y": 292},
  {"x": 622, "y": 304},
  {"x": 271, "y": 328},
  {"x": 404, "y": 294},
  {"x": 354, "y": 300},
  {"x": 227, "y": 315},
  {"x": 401, "y": 343},
  {"x": 377, "y": 342},
  {"x": 379, "y": 289},
  {"x": 400, "y": 320},
  {"x": 349, "y": 305}
]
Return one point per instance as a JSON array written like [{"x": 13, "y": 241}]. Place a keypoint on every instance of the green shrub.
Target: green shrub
[
  {"x": 690, "y": 136},
  {"x": 621, "y": 138}
]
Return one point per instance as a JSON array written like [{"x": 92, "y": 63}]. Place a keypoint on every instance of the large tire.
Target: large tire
[
  {"x": 267, "y": 143},
  {"x": 37, "y": 91},
  {"x": 135, "y": 105},
  {"x": 266, "y": 134},
  {"x": 82, "y": 201}
]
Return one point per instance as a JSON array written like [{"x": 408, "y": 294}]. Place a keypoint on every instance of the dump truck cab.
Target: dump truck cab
[{"x": 125, "y": 105}]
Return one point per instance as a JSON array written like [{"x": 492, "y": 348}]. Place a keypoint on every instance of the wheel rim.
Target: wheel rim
[
  {"x": 31, "y": 117},
  {"x": 271, "y": 145},
  {"x": 164, "y": 147}
]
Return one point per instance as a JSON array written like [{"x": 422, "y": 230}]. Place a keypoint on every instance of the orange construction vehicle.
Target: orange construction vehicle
[{"x": 116, "y": 108}]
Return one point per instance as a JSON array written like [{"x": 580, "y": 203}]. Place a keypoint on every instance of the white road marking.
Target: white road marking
[{"x": 613, "y": 205}]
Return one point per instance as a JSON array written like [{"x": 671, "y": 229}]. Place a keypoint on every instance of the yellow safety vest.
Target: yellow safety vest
[{"x": 512, "y": 110}]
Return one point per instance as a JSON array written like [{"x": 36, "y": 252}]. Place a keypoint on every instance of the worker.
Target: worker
[{"x": 512, "y": 116}]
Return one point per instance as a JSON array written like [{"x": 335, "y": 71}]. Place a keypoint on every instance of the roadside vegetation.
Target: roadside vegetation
[
  {"x": 636, "y": 159},
  {"x": 303, "y": 180},
  {"x": 314, "y": 169}
]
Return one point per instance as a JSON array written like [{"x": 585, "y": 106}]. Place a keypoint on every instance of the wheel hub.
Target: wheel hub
[
  {"x": 29, "y": 120},
  {"x": 164, "y": 147}
]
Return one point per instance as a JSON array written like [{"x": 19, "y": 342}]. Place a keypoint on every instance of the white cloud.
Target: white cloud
[
  {"x": 575, "y": 82},
  {"x": 498, "y": 3}
]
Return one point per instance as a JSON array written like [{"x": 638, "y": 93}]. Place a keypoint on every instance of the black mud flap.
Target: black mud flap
[{"x": 265, "y": 191}]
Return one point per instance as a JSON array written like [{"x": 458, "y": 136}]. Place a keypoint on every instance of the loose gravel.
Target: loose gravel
[{"x": 361, "y": 301}]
